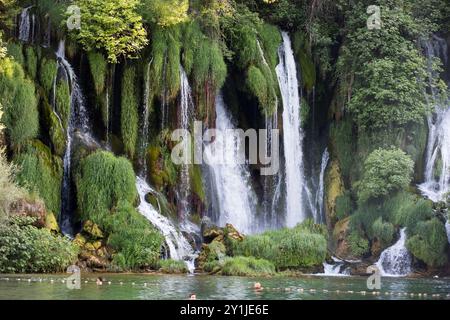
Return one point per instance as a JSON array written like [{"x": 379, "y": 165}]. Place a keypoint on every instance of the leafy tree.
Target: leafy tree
[
  {"x": 385, "y": 171},
  {"x": 165, "y": 13},
  {"x": 113, "y": 26},
  {"x": 8, "y": 10}
]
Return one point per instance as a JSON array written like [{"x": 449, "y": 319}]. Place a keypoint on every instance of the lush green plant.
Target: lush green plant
[
  {"x": 20, "y": 106},
  {"x": 15, "y": 51},
  {"x": 9, "y": 191},
  {"x": 63, "y": 102},
  {"x": 41, "y": 172},
  {"x": 344, "y": 206},
  {"x": 303, "y": 246},
  {"x": 25, "y": 248},
  {"x": 98, "y": 67},
  {"x": 173, "y": 266},
  {"x": 385, "y": 171},
  {"x": 164, "y": 12},
  {"x": 47, "y": 73},
  {"x": 341, "y": 134},
  {"x": 129, "y": 116},
  {"x": 31, "y": 59},
  {"x": 358, "y": 245},
  {"x": 383, "y": 231},
  {"x": 246, "y": 266},
  {"x": 113, "y": 26},
  {"x": 429, "y": 243}
]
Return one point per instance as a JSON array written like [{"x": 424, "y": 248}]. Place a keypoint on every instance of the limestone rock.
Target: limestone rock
[{"x": 92, "y": 230}]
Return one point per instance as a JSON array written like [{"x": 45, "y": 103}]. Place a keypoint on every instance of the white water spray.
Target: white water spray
[
  {"x": 179, "y": 247},
  {"x": 318, "y": 208},
  {"x": 25, "y": 26},
  {"x": 396, "y": 260},
  {"x": 292, "y": 133},
  {"x": 230, "y": 181}
]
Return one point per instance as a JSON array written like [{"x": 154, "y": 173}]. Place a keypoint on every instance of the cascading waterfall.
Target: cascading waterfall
[
  {"x": 186, "y": 107},
  {"x": 25, "y": 26},
  {"x": 292, "y": 133},
  {"x": 77, "y": 121},
  {"x": 336, "y": 269},
  {"x": 447, "y": 228},
  {"x": 396, "y": 260},
  {"x": 318, "y": 212},
  {"x": 179, "y": 247},
  {"x": 437, "y": 168},
  {"x": 230, "y": 180}
]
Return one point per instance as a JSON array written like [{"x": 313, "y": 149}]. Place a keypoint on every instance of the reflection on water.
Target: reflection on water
[{"x": 153, "y": 287}]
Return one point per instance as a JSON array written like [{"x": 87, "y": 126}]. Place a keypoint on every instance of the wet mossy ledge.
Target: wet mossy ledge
[{"x": 365, "y": 95}]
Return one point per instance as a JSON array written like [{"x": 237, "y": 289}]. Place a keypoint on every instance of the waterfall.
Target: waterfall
[
  {"x": 186, "y": 107},
  {"x": 318, "y": 212},
  {"x": 77, "y": 121},
  {"x": 447, "y": 228},
  {"x": 230, "y": 180},
  {"x": 292, "y": 133},
  {"x": 145, "y": 118},
  {"x": 25, "y": 25},
  {"x": 337, "y": 269},
  {"x": 395, "y": 261},
  {"x": 437, "y": 166},
  {"x": 179, "y": 247}
]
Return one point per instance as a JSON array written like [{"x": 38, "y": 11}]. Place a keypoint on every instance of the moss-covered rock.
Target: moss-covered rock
[
  {"x": 334, "y": 189},
  {"x": 51, "y": 223},
  {"x": 92, "y": 230}
]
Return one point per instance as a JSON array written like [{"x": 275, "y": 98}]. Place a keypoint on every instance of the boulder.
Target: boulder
[
  {"x": 92, "y": 230},
  {"x": 209, "y": 230},
  {"x": 79, "y": 240},
  {"x": 30, "y": 208},
  {"x": 339, "y": 241},
  {"x": 232, "y": 233}
]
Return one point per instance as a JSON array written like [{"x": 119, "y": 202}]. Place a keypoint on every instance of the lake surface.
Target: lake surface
[{"x": 154, "y": 287}]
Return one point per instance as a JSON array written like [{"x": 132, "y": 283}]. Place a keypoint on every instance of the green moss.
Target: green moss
[
  {"x": 358, "y": 245},
  {"x": 55, "y": 128},
  {"x": 304, "y": 58},
  {"x": 162, "y": 171},
  {"x": 341, "y": 134},
  {"x": 98, "y": 66},
  {"x": 15, "y": 51},
  {"x": 304, "y": 112},
  {"x": 129, "y": 117},
  {"x": 383, "y": 231},
  {"x": 63, "y": 102},
  {"x": 344, "y": 206},
  {"x": 270, "y": 41},
  {"x": 195, "y": 173},
  {"x": 47, "y": 73},
  {"x": 41, "y": 172},
  {"x": 31, "y": 59}
]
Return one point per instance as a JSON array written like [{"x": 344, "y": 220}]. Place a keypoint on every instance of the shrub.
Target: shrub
[
  {"x": 357, "y": 244},
  {"x": 303, "y": 246},
  {"x": 383, "y": 231},
  {"x": 9, "y": 191},
  {"x": 342, "y": 136},
  {"x": 247, "y": 266},
  {"x": 129, "y": 117},
  {"x": 15, "y": 51},
  {"x": 173, "y": 266},
  {"x": 429, "y": 243},
  {"x": 385, "y": 171},
  {"x": 25, "y": 248}
]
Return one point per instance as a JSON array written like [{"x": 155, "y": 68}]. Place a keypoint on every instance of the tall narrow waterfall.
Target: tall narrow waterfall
[
  {"x": 25, "y": 26},
  {"x": 292, "y": 133},
  {"x": 447, "y": 228},
  {"x": 318, "y": 213},
  {"x": 437, "y": 167},
  {"x": 145, "y": 118},
  {"x": 186, "y": 108},
  {"x": 230, "y": 181},
  {"x": 77, "y": 121},
  {"x": 395, "y": 261},
  {"x": 179, "y": 247}
]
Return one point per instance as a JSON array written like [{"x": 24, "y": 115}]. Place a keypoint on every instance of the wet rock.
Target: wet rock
[
  {"x": 339, "y": 241},
  {"x": 209, "y": 230}
]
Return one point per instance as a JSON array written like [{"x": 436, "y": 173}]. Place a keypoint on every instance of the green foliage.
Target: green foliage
[
  {"x": 195, "y": 173},
  {"x": 164, "y": 13},
  {"x": 31, "y": 59},
  {"x": 98, "y": 67},
  {"x": 129, "y": 116},
  {"x": 383, "y": 231},
  {"x": 429, "y": 243},
  {"x": 247, "y": 266},
  {"x": 270, "y": 39},
  {"x": 113, "y": 26},
  {"x": 9, "y": 9},
  {"x": 341, "y": 134},
  {"x": 344, "y": 206},
  {"x": 385, "y": 171},
  {"x": 303, "y": 246},
  {"x": 173, "y": 266},
  {"x": 15, "y": 51},
  {"x": 63, "y": 102},
  {"x": 302, "y": 52},
  {"x": 18, "y": 98},
  {"x": 47, "y": 73},
  {"x": 41, "y": 172},
  {"x": 27, "y": 249},
  {"x": 358, "y": 245},
  {"x": 9, "y": 190},
  {"x": 106, "y": 193}
]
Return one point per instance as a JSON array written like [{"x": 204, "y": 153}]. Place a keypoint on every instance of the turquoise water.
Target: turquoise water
[{"x": 154, "y": 287}]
